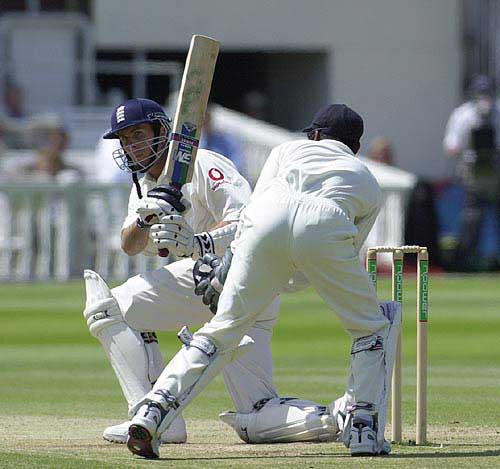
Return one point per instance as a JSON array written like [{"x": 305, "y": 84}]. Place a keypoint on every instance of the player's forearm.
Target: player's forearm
[{"x": 134, "y": 239}]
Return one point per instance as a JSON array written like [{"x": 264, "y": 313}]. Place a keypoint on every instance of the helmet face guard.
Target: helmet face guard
[{"x": 125, "y": 157}]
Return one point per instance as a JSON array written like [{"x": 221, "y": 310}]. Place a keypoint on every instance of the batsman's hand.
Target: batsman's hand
[
  {"x": 150, "y": 210},
  {"x": 170, "y": 201},
  {"x": 210, "y": 273},
  {"x": 175, "y": 234}
]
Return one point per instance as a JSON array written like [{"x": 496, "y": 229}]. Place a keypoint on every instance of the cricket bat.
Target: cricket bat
[{"x": 189, "y": 115}]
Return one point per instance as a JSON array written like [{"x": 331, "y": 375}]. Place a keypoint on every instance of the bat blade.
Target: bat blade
[{"x": 190, "y": 112}]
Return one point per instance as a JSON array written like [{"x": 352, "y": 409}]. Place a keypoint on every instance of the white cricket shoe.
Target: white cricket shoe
[
  {"x": 175, "y": 434},
  {"x": 363, "y": 438},
  {"x": 143, "y": 431}
]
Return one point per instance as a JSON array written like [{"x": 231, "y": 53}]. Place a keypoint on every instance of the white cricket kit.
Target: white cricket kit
[
  {"x": 164, "y": 299},
  {"x": 325, "y": 202},
  {"x": 216, "y": 193},
  {"x": 313, "y": 207}
]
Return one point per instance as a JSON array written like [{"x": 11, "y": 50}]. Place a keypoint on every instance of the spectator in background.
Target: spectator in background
[
  {"x": 255, "y": 104},
  {"x": 13, "y": 101},
  {"x": 222, "y": 142},
  {"x": 421, "y": 224},
  {"x": 49, "y": 163},
  {"x": 47, "y": 226},
  {"x": 12, "y": 117},
  {"x": 472, "y": 139},
  {"x": 381, "y": 151},
  {"x": 109, "y": 172}
]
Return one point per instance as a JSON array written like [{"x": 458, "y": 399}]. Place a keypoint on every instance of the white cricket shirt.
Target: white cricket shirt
[
  {"x": 216, "y": 193},
  {"x": 326, "y": 169}
]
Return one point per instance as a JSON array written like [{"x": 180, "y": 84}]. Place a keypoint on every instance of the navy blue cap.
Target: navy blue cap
[
  {"x": 338, "y": 121},
  {"x": 481, "y": 84},
  {"x": 132, "y": 112}
]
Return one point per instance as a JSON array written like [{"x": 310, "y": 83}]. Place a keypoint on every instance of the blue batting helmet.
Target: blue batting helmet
[{"x": 136, "y": 111}]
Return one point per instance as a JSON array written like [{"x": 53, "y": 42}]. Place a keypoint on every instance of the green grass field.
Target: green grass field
[{"x": 57, "y": 391}]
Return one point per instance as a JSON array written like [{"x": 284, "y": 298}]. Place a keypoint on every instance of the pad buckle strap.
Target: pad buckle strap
[
  {"x": 260, "y": 404},
  {"x": 168, "y": 399},
  {"x": 199, "y": 342},
  {"x": 100, "y": 308},
  {"x": 100, "y": 315},
  {"x": 361, "y": 406},
  {"x": 370, "y": 342},
  {"x": 149, "y": 337}
]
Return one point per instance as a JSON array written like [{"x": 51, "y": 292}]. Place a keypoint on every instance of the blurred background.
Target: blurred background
[{"x": 422, "y": 74}]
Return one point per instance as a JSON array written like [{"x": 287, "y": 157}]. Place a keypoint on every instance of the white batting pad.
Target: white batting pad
[
  {"x": 284, "y": 420},
  {"x": 135, "y": 357}
]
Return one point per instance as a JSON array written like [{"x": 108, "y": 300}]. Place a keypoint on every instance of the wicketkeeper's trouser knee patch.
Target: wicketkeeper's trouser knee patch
[{"x": 135, "y": 356}]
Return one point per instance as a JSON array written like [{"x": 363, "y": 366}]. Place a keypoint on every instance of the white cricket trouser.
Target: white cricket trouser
[
  {"x": 164, "y": 300},
  {"x": 282, "y": 232}
]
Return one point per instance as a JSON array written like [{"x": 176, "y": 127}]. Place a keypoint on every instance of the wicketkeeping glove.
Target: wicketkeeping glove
[{"x": 210, "y": 273}]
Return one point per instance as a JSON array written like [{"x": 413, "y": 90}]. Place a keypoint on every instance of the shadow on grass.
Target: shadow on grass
[
  {"x": 444, "y": 454},
  {"x": 255, "y": 457},
  {"x": 435, "y": 455}
]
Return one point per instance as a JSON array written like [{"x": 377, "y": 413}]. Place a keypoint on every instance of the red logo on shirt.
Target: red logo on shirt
[{"x": 215, "y": 174}]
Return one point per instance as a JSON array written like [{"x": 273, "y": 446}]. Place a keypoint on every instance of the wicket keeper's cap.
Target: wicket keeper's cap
[
  {"x": 132, "y": 112},
  {"x": 338, "y": 121}
]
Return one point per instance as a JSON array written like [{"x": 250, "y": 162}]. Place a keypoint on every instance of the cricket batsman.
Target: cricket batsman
[
  {"x": 125, "y": 318},
  {"x": 312, "y": 209}
]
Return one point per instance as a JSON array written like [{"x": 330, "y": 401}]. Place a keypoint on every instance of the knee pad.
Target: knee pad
[
  {"x": 284, "y": 420},
  {"x": 101, "y": 308},
  {"x": 135, "y": 356}
]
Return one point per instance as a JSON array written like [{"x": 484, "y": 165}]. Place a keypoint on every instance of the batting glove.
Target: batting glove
[
  {"x": 160, "y": 201},
  {"x": 176, "y": 235}
]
